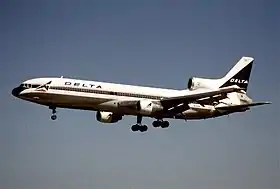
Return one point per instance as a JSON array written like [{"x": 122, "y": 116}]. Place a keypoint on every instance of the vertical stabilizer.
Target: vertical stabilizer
[{"x": 240, "y": 74}]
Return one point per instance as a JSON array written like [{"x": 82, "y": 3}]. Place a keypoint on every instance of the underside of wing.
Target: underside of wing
[{"x": 240, "y": 107}]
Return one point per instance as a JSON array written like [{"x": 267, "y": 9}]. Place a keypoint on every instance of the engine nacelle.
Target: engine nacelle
[
  {"x": 107, "y": 117},
  {"x": 197, "y": 83},
  {"x": 148, "y": 107}
]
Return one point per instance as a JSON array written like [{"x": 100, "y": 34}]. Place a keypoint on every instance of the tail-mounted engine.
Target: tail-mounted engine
[
  {"x": 107, "y": 117},
  {"x": 197, "y": 83}
]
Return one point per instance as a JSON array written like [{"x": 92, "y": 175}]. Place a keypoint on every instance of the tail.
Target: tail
[{"x": 239, "y": 75}]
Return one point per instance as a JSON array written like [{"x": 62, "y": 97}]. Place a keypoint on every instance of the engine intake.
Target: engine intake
[
  {"x": 107, "y": 117},
  {"x": 197, "y": 83}
]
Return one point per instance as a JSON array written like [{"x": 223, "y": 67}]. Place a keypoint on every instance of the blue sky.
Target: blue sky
[{"x": 154, "y": 43}]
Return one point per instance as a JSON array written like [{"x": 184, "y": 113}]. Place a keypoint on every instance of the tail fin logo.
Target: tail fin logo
[
  {"x": 239, "y": 74},
  {"x": 239, "y": 81}
]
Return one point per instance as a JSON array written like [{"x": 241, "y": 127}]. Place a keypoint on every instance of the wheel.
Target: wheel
[
  {"x": 165, "y": 124},
  {"x": 53, "y": 117},
  {"x": 143, "y": 128},
  {"x": 135, "y": 128},
  {"x": 156, "y": 123}
]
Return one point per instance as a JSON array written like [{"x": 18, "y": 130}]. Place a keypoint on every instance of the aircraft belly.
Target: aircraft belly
[
  {"x": 104, "y": 103},
  {"x": 77, "y": 101},
  {"x": 64, "y": 99}
]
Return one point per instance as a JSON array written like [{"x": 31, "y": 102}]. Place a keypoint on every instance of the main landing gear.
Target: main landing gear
[
  {"x": 142, "y": 128},
  {"x": 53, "y": 116},
  {"x": 161, "y": 123},
  {"x": 139, "y": 126}
]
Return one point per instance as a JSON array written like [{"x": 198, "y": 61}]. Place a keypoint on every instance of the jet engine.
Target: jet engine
[
  {"x": 107, "y": 117},
  {"x": 197, "y": 83},
  {"x": 148, "y": 107}
]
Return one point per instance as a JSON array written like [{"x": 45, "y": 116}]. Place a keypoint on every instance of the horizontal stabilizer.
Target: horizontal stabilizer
[{"x": 242, "y": 106}]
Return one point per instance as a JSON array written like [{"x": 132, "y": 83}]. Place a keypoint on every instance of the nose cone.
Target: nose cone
[{"x": 16, "y": 91}]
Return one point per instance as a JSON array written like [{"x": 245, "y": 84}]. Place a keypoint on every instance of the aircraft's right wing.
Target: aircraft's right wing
[{"x": 172, "y": 102}]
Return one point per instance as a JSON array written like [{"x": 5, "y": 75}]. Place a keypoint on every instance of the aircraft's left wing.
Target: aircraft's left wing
[
  {"x": 172, "y": 102},
  {"x": 211, "y": 100},
  {"x": 239, "y": 107},
  {"x": 180, "y": 103}
]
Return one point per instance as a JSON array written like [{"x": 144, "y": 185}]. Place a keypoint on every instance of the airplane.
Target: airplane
[{"x": 203, "y": 98}]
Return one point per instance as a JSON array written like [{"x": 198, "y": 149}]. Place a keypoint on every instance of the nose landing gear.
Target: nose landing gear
[{"x": 53, "y": 116}]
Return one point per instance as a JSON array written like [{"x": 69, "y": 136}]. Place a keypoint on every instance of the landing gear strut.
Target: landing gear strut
[
  {"x": 161, "y": 123},
  {"x": 53, "y": 116},
  {"x": 139, "y": 126}
]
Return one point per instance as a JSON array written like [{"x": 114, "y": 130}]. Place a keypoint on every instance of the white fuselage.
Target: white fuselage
[
  {"x": 102, "y": 96},
  {"x": 203, "y": 98}
]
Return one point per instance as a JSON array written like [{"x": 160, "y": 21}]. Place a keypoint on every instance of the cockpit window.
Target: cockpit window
[{"x": 25, "y": 85}]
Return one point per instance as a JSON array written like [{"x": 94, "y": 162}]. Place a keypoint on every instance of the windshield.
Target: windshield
[{"x": 25, "y": 85}]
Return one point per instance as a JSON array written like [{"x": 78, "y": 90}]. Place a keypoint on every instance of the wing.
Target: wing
[
  {"x": 172, "y": 102},
  {"x": 240, "y": 107},
  {"x": 211, "y": 100},
  {"x": 180, "y": 103}
]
